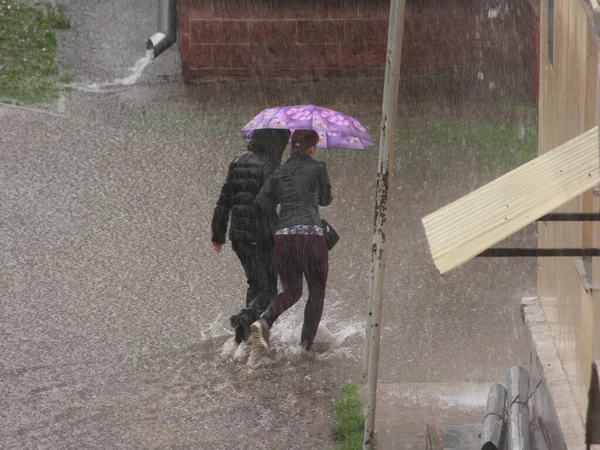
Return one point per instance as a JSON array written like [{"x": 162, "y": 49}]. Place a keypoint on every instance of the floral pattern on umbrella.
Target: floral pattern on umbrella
[{"x": 336, "y": 130}]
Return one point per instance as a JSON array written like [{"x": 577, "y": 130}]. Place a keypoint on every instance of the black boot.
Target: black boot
[{"x": 241, "y": 327}]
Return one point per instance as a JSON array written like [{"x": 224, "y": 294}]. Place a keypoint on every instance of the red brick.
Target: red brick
[
  {"x": 424, "y": 53},
  {"x": 219, "y": 31},
  {"x": 217, "y": 74},
  {"x": 499, "y": 30},
  {"x": 438, "y": 29},
  {"x": 286, "y": 9},
  {"x": 186, "y": 71},
  {"x": 233, "y": 56},
  {"x": 201, "y": 9},
  {"x": 450, "y": 9},
  {"x": 367, "y": 31},
  {"x": 277, "y": 31},
  {"x": 331, "y": 72},
  {"x": 340, "y": 10},
  {"x": 269, "y": 72},
  {"x": 233, "y": 9},
  {"x": 274, "y": 55},
  {"x": 366, "y": 55},
  {"x": 343, "y": 55},
  {"x": 377, "y": 9},
  {"x": 185, "y": 45},
  {"x": 275, "y": 9},
  {"x": 183, "y": 6},
  {"x": 459, "y": 28},
  {"x": 320, "y": 31},
  {"x": 201, "y": 56},
  {"x": 184, "y": 23},
  {"x": 322, "y": 55}
]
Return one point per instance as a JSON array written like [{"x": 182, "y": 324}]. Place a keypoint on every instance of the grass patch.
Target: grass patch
[
  {"x": 487, "y": 147},
  {"x": 28, "y": 72},
  {"x": 349, "y": 427}
]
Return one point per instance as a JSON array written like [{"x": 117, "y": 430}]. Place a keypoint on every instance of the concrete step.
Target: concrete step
[
  {"x": 405, "y": 409},
  {"x": 453, "y": 437}
]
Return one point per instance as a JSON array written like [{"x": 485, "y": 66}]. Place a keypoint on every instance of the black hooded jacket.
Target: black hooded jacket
[{"x": 247, "y": 173}]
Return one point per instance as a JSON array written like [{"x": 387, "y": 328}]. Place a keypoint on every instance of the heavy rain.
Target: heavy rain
[{"x": 114, "y": 319}]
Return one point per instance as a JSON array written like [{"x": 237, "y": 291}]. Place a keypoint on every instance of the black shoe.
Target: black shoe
[
  {"x": 240, "y": 333},
  {"x": 306, "y": 345}
]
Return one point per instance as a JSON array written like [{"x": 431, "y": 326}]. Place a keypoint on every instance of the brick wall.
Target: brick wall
[{"x": 473, "y": 39}]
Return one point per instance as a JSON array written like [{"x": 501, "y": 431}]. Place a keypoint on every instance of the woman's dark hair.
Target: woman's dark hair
[{"x": 302, "y": 140}]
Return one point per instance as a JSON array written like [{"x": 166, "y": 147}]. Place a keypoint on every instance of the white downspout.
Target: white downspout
[{"x": 167, "y": 28}]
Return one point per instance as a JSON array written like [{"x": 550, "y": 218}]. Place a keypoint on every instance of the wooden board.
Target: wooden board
[{"x": 463, "y": 229}]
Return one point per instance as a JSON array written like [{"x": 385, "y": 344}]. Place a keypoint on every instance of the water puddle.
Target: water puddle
[
  {"x": 331, "y": 340},
  {"x": 135, "y": 73}
]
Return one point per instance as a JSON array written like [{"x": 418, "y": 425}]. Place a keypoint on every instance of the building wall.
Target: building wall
[
  {"x": 532, "y": 31},
  {"x": 567, "y": 107},
  {"x": 477, "y": 41}
]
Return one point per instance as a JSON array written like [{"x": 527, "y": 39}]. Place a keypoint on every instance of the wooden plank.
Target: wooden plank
[{"x": 461, "y": 230}]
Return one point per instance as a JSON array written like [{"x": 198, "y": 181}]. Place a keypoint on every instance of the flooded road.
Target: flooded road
[{"x": 114, "y": 309}]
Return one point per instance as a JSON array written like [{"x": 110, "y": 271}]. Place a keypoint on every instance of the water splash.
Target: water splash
[
  {"x": 230, "y": 347},
  {"x": 135, "y": 73},
  {"x": 242, "y": 351},
  {"x": 285, "y": 340},
  {"x": 216, "y": 330}
]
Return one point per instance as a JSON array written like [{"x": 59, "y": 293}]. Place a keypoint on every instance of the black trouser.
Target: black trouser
[
  {"x": 301, "y": 256},
  {"x": 258, "y": 261}
]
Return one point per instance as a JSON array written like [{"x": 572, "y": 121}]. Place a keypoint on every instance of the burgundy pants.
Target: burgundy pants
[{"x": 300, "y": 256}]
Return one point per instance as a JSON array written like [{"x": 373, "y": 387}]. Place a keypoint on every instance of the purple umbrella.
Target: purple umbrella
[{"x": 336, "y": 130}]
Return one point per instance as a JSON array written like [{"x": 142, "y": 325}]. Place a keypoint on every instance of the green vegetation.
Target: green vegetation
[
  {"x": 349, "y": 427},
  {"x": 490, "y": 146},
  {"x": 28, "y": 72}
]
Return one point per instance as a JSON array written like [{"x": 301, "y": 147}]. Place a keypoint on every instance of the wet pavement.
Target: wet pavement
[{"x": 113, "y": 305}]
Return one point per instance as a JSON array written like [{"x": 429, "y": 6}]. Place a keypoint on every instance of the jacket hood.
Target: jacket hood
[{"x": 270, "y": 142}]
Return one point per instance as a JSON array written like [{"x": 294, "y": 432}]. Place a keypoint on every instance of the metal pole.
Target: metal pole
[
  {"x": 369, "y": 311},
  {"x": 492, "y": 432},
  {"x": 538, "y": 252},
  {"x": 388, "y": 68},
  {"x": 387, "y": 142},
  {"x": 517, "y": 435},
  {"x": 570, "y": 217}
]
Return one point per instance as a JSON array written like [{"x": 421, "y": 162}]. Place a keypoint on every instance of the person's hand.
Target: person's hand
[{"x": 216, "y": 247}]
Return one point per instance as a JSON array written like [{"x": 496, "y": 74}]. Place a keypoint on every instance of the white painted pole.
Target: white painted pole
[
  {"x": 387, "y": 142},
  {"x": 390, "y": 61},
  {"x": 391, "y": 25}
]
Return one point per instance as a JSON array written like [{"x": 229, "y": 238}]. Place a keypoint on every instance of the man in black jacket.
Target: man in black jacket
[{"x": 251, "y": 230}]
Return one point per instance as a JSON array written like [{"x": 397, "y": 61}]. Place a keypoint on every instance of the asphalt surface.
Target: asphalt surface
[{"x": 113, "y": 305}]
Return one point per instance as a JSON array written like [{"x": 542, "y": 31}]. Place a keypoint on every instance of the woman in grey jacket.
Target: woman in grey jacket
[{"x": 299, "y": 187}]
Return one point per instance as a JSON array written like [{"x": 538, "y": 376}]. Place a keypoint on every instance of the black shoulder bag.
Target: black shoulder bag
[{"x": 331, "y": 236}]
